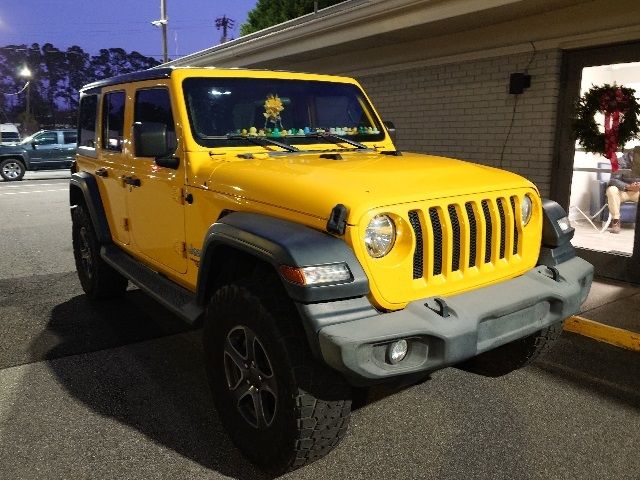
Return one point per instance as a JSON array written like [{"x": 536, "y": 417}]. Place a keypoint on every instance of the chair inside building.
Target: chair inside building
[{"x": 628, "y": 210}]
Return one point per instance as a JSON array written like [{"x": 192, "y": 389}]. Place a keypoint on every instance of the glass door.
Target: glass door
[{"x": 601, "y": 204}]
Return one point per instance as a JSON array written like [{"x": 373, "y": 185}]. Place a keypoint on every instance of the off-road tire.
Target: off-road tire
[
  {"x": 98, "y": 279},
  {"x": 12, "y": 169},
  {"x": 313, "y": 403},
  {"x": 514, "y": 355}
]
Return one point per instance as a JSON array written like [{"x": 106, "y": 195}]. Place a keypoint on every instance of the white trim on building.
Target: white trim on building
[{"x": 440, "y": 68}]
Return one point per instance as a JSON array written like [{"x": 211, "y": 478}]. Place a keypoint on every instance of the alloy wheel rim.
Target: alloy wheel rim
[
  {"x": 11, "y": 170},
  {"x": 85, "y": 253},
  {"x": 250, "y": 377}
]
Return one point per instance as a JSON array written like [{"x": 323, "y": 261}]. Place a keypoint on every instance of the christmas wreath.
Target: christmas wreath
[{"x": 620, "y": 109}]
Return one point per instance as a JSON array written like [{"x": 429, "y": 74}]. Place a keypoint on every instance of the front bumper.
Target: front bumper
[{"x": 471, "y": 323}]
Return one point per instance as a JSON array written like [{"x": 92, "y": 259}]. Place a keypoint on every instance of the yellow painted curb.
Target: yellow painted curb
[{"x": 603, "y": 333}]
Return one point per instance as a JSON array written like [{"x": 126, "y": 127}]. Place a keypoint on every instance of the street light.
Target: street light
[
  {"x": 25, "y": 73},
  {"x": 162, "y": 23}
]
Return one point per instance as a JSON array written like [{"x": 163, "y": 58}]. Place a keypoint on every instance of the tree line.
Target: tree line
[
  {"x": 272, "y": 12},
  {"x": 57, "y": 75}
]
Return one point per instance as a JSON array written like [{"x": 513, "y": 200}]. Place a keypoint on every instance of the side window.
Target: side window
[
  {"x": 46, "y": 138},
  {"x": 154, "y": 105},
  {"x": 113, "y": 121},
  {"x": 70, "y": 137},
  {"x": 87, "y": 121}
]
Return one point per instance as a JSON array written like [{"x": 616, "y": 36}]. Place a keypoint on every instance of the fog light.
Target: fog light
[
  {"x": 396, "y": 351},
  {"x": 564, "y": 224}
]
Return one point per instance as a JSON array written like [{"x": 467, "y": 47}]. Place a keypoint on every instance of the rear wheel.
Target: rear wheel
[
  {"x": 514, "y": 355},
  {"x": 12, "y": 169},
  {"x": 280, "y": 406},
  {"x": 98, "y": 279}
]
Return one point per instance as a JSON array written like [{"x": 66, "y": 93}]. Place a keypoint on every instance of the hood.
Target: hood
[
  {"x": 309, "y": 184},
  {"x": 4, "y": 149}
]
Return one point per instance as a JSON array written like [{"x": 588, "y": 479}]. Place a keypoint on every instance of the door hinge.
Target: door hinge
[
  {"x": 178, "y": 195},
  {"x": 125, "y": 224},
  {"x": 181, "y": 249}
]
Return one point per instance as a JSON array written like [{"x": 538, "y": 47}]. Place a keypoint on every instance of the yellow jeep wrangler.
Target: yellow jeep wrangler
[{"x": 274, "y": 208}]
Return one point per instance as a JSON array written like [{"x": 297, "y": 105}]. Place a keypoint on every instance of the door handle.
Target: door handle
[
  {"x": 128, "y": 180},
  {"x": 102, "y": 172}
]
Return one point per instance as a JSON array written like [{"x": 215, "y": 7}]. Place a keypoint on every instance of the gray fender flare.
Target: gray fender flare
[
  {"x": 556, "y": 245},
  {"x": 280, "y": 242},
  {"x": 85, "y": 184}
]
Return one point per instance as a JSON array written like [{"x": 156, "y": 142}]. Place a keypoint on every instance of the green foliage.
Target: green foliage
[
  {"x": 57, "y": 77},
  {"x": 267, "y": 13}
]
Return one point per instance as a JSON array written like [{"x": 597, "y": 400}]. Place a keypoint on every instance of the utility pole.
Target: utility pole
[
  {"x": 225, "y": 24},
  {"x": 162, "y": 23},
  {"x": 164, "y": 19}
]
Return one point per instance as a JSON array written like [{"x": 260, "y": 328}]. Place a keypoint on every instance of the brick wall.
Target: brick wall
[{"x": 464, "y": 110}]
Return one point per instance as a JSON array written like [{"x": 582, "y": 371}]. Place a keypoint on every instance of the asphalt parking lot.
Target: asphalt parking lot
[{"x": 116, "y": 390}]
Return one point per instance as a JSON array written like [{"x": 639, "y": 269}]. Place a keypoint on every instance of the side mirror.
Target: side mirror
[
  {"x": 168, "y": 162},
  {"x": 391, "y": 128},
  {"x": 150, "y": 140}
]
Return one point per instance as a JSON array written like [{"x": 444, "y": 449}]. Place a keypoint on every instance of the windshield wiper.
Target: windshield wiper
[
  {"x": 337, "y": 139},
  {"x": 263, "y": 142}
]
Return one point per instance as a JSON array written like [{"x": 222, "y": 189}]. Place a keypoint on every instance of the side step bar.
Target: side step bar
[{"x": 177, "y": 299}]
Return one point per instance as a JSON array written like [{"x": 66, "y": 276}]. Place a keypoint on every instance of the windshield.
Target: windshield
[
  {"x": 27, "y": 140},
  {"x": 287, "y": 110}
]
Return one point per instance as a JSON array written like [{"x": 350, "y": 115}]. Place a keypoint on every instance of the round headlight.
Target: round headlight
[
  {"x": 380, "y": 236},
  {"x": 526, "y": 207}
]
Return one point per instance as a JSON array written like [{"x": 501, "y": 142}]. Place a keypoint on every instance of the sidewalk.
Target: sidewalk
[{"x": 610, "y": 314}]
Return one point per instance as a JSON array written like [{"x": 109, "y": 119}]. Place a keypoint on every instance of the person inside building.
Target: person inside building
[{"x": 624, "y": 186}]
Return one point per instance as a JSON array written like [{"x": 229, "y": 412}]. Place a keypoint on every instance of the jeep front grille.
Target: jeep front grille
[{"x": 461, "y": 236}]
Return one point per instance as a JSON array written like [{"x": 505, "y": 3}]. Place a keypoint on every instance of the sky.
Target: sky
[{"x": 96, "y": 24}]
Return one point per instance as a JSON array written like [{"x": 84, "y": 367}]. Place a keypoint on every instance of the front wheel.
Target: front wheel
[
  {"x": 280, "y": 406},
  {"x": 514, "y": 355},
  {"x": 12, "y": 170}
]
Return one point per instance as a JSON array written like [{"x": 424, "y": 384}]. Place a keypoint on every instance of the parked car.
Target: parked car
[
  {"x": 9, "y": 134},
  {"x": 44, "y": 150},
  {"x": 275, "y": 209}
]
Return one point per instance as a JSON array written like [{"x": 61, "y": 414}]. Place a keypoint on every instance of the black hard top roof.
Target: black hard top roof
[{"x": 152, "y": 74}]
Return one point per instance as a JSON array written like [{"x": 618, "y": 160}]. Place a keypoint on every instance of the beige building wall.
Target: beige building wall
[
  {"x": 464, "y": 110},
  {"x": 440, "y": 69}
]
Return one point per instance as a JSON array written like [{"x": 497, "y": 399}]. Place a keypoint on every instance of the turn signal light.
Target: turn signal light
[{"x": 317, "y": 274}]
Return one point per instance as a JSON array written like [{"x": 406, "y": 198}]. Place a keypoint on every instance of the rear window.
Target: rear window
[
  {"x": 70, "y": 137},
  {"x": 113, "y": 121},
  {"x": 87, "y": 121},
  {"x": 10, "y": 136}
]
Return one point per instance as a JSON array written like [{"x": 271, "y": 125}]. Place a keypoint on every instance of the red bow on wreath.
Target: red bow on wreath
[{"x": 613, "y": 106}]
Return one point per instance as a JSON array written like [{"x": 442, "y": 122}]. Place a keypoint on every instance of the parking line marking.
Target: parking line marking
[
  {"x": 36, "y": 191},
  {"x": 23, "y": 185},
  {"x": 618, "y": 337}
]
